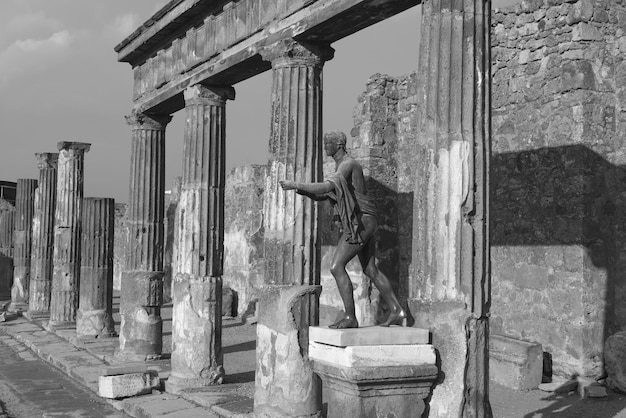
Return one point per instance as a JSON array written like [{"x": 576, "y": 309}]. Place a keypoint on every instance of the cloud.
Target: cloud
[
  {"x": 25, "y": 55},
  {"x": 27, "y": 25},
  {"x": 122, "y": 26}
]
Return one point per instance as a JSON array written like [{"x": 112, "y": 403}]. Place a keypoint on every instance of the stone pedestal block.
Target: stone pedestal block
[
  {"x": 43, "y": 237},
  {"x": 285, "y": 383},
  {"x": 385, "y": 380},
  {"x": 515, "y": 364},
  {"x": 95, "y": 317},
  {"x": 67, "y": 226},
  {"x": 374, "y": 335},
  {"x": 22, "y": 239},
  {"x": 376, "y": 391}
]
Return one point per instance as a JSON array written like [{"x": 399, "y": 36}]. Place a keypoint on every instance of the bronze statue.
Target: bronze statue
[{"x": 357, "y": 212}]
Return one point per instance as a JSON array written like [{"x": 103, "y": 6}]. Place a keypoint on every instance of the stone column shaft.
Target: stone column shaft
[
  {"x": 452, "y": 192},
  {"x": 66, "y": 258},
  {"x": 94, "y": 317},
  {"x": 22, "y": 238},
  {"x": 289, "y": 304},
  {"x": 7, "y": 226},
  {"x": 197, "y": 285},
  {"x": 142, "y": 281},
  {"x": 43, "y": 236}
]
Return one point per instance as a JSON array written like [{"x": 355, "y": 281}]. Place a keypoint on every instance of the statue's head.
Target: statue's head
[{"x": 333, "y": 141}]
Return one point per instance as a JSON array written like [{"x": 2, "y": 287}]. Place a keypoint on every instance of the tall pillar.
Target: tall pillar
[
  {"x": 141, "y": 329},
  {"x": 66, "y": 256},
  {"x": 285, "y": 382},
  {"x": 7, "y": 226},
  {"x": 197, "y": 283},
  {"x": 451, "y": 293},
  {"x": 43, "y": 236},
  {"x": 22, "y": 238},
  {"x": 94, "y": 317}
]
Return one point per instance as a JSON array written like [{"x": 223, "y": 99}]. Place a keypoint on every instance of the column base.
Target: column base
[
  {"x": 53, "y": 326},
  {"x": 177, "y": 385},
  {"x": 127, "y": 356},
  {"x": 35, "y": 315},
  {"x": 17, "y": 307}
]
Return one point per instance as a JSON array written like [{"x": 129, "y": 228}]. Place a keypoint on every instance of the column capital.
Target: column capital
[
  {"x": 207, "y": 95},
  {"x": 288, "y": 52},
  {"x": 81, "y": 147},
  {"x": 138, "y": 120},
  {"x": 47, "y": 160}
]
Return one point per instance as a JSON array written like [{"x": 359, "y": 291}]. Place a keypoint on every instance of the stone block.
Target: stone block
[
  {"x": 125, "y": 385},
  {"x": 394, "y": 335},
  {"x": 373, "y": 355},
  {"x": 393, "y": 391},
  {"x": 515, "y": 364}
]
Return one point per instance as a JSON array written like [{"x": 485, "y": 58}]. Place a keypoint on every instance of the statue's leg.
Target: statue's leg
[
  {"x": 343, "y": 254},
  {"x": 367, "y": 257}
]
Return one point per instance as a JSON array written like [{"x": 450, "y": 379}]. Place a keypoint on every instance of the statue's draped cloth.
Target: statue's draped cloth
[{"x": 349, "y": 206}]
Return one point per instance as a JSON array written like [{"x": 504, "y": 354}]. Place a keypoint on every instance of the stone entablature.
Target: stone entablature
[{"x": 223, "y": 49}]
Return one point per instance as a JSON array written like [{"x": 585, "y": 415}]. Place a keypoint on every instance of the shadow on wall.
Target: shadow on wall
[
  {"x": 558, "y": 237},
  {"x": 393, "y": 241}
]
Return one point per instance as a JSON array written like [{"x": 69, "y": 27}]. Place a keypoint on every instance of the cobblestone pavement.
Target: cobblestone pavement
[{"x": 31, "y": 388}]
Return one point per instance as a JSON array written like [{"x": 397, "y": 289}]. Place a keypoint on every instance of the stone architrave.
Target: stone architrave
[
  {"x": 285, "y": 382},
  {"x": 7, "y": 226},
  {"x": 199, "y": 227},
  {"x": 66, "y": 257},
  {"x": 43, "y": 236},
  {"x": 450, "y": 221},
  {"x": 22, "y": 238},
  {"x": 141, "y": 328},
  {"x": 95, "y": 311}
]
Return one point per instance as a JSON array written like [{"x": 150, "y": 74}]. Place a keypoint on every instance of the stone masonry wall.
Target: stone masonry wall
[{"x": 558, "y": 180}]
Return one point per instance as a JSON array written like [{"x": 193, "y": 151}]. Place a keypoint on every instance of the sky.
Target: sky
[{"x": 60, "y": 81}]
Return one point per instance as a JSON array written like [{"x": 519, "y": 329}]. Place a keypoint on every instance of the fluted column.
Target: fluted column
[
  {"x": 451, "y": 232},
  {"x": 66, "y": 256},
  {"x": 7, "y": 226},
  {"x": 291, "y": 248},
  {"x": 197, "y": 284},
  {"x": 94, "y": 317},
  {"x": 22, "y": 238},
  {"x": 142, "y": 281},
  {"x": 43, "y": 236}
]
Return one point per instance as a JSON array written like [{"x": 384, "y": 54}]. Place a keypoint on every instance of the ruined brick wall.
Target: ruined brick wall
[{"x": 558, "y": 180}]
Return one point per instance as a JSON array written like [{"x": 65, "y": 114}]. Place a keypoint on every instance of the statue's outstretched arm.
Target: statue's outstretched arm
[{"x": 311, "y": 190}]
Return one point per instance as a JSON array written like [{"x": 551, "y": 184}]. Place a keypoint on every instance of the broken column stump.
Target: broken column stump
[
  {"x": 7, "y": 225},
  {"x": 94, "y": 317},
  {"x": 374, "y": 371},
  {"x": 22, "y": 239},
  {"x": 197, "y": 284},
  {"x": 66, "y": 257},
  {"x": 43, "y": 237},
  {"x": 141, "y": 329}
]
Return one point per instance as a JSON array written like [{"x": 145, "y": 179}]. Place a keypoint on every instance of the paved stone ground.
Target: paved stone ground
[
  {"x": 84, "y": 360},
  {"x": 30, "y": 388}
]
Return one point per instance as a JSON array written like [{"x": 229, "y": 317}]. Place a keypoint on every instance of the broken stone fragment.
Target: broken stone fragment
[
  {"x": 559, "y": 387},
  {"x": 125, "y": 385},
  {"x": 615, "y": 361}
]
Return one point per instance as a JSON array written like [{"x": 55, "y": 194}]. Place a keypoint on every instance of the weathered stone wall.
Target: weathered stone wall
[
  {"x": 558, "y": 179},
  {"x": 243, "y": 234}
]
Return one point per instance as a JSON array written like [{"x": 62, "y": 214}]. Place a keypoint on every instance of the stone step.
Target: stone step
[
  {"x": 375, "y": 335},
  {"x": 514, "y": 363}
]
